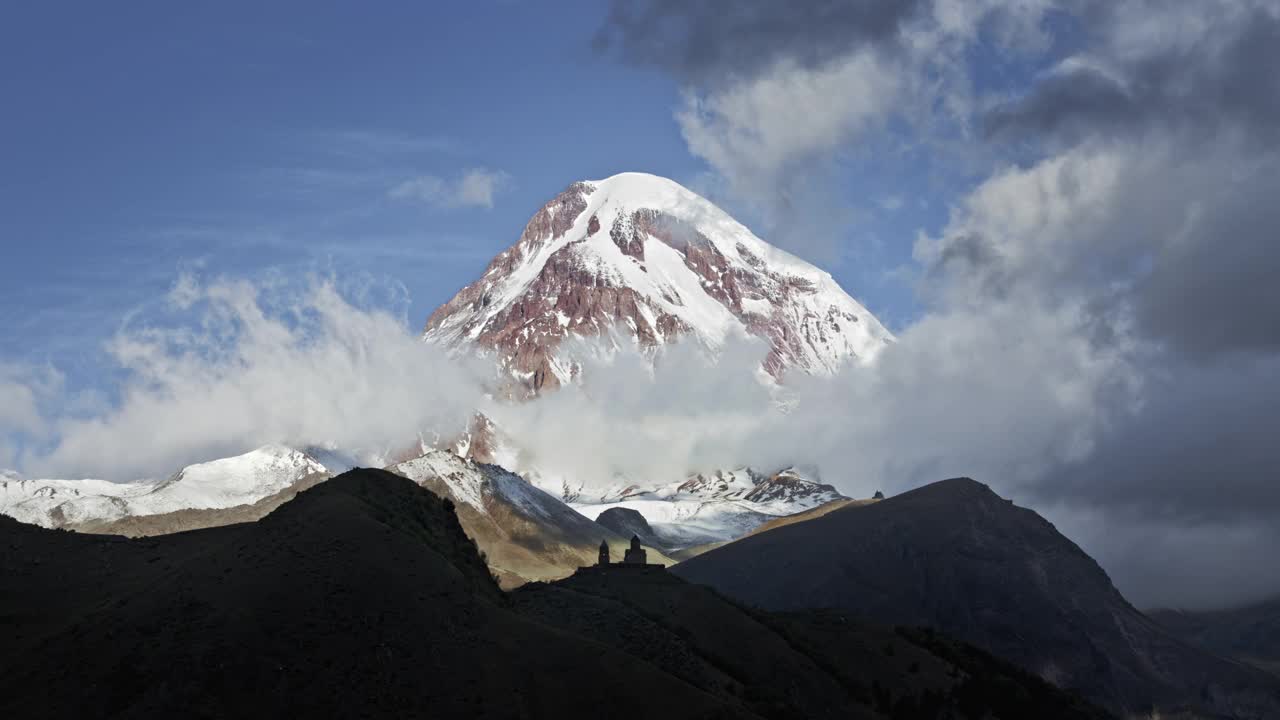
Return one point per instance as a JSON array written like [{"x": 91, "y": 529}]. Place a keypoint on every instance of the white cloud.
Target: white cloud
[
  {"x": 20, "y": 391},
  {"x": 641, "y": 420},
  {"x": 475, "y": 187},
  {"x": 1006, "y": 396},
  {"x": 25, "y": 394},
  {"x": 754, "y": 131},
  {"x": 258, "y": 364}
]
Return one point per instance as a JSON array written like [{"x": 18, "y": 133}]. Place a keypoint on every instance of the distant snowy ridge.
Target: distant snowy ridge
[
  {"x": 715, "y": 507},
  {"x": 692, "y": 510},
  {"x": 229, "y": 482},
  {"x": 643, "y": 254}
]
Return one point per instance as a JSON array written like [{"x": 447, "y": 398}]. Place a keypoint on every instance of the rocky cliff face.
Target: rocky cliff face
[{"x": 639, "y": 257}]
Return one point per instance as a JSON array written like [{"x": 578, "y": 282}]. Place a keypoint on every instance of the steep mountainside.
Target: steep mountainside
[
  {"x": 362, "y": 597},
  {"x": 955, "y": 556},
  {"x": 1250, "y": 634},
  {"x": 644, "y": 256},
  {"x": 524, "y": 533},
  {"x": 230, "y": 482}
]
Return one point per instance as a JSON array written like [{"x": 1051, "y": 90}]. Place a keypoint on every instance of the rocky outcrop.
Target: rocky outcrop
[{"x": 626, "y": 522}]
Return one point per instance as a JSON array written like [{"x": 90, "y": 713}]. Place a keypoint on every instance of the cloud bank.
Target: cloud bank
[{"x": 235, "y": 365}]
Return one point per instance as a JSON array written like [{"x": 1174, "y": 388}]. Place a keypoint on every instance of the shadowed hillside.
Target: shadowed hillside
[
  {"x": 955, "y": 556},
  {"x": 364, "y": 597},
  {"x": 792, "y": 665},
  {"x": 1250, "y": 634}
]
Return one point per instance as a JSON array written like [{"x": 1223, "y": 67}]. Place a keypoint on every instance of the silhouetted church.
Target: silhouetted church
[{"x": 635, "y": 556}]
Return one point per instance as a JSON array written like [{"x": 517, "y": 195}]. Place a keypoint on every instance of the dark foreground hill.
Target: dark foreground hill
[
  {"x": 1250, "y": 634},
  {"x": 792, "y": 665},
  {"x": 363, "y": 597},
  {"x": 956, "y": 557}
]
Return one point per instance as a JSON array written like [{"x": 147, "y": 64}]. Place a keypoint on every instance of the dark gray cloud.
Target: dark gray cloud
[
  {"x": 1216, "y": 291},
  {"x": 1224, "y": 79},
  {"x": 1184, "y": 493},
  {"x": 1201, "y": 450},
  {"x": 1169, "y": 252},
  {"x": 712, "y": 42}
]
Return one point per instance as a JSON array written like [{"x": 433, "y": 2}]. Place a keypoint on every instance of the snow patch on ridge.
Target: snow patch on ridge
[{"x": 715, "y": 507}]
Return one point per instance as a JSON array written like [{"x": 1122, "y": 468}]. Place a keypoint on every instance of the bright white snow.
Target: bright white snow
[
  {"x": 666, "y": 283},
  {"x": 711, "y": 508},
  {"x": 224, "y": 483}
]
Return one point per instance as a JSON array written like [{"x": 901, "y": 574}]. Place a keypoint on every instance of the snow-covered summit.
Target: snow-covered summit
[
  {"x": 644, "y": 254},
  {"x": 230, "y": 481},
  {"x": 224, "y": 483}
]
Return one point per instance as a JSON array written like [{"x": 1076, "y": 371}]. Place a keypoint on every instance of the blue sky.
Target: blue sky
[{"x": 237, "y": 139}]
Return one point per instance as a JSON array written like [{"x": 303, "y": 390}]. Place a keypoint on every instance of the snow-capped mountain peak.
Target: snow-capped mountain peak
[{"x": 644, "y": 255}]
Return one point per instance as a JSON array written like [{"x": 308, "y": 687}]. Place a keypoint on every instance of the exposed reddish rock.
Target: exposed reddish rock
[{"x": 560, "y": 280}]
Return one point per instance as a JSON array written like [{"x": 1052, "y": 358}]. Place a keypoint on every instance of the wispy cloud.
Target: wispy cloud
[
  {"x": 476, "y": 187},
  {"x": 367, "y": 142},
  {"x": 890, "y": 203}
]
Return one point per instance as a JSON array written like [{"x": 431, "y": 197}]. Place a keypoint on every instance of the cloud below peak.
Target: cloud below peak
[{"x": 231, "y": 365}]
